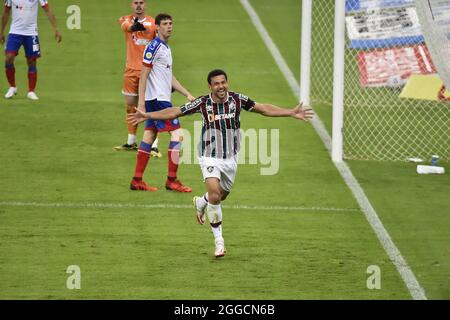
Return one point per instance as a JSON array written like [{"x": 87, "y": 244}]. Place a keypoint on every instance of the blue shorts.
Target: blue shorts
[
  {"x": 160, "y": 125},
  {"x": 29, "y": 43}
]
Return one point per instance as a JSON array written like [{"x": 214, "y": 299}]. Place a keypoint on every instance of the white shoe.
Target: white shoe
[
  {"x": 12, "y": 91},
  {"x": 32, "y": 96},
  {"x": 220, "y": 248},
  {"x": 200, "y": 213}
]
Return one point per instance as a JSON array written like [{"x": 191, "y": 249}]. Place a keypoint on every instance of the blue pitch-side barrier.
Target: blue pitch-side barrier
[
  {"x": 385, "y": 43},
  {"x": 356, "y": 5}
]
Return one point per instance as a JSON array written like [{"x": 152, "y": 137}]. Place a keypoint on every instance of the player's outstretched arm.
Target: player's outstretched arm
[
  {"x": 5, "y": 18},
  {"x": 166, "y": 114},
  {"x": 269, "y": 110},
  {"x": 52, "y": 19}
]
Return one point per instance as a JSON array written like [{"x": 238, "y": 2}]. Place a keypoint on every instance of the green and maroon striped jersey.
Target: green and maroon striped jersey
[{"x": 221, "y": 136}]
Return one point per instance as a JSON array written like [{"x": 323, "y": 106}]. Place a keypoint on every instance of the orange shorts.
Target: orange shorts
[{"x": 131, "y": 82}]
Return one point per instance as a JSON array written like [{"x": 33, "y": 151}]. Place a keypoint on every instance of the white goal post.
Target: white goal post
[
  {"x": 434, "y": 16},
  {"x": 371, "y": 62}
]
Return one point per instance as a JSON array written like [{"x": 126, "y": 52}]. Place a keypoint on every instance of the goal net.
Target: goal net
[{"x": 395, "y": 103}]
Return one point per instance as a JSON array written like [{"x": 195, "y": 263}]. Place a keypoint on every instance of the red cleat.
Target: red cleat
[
  {"x": 177, "y": 186},
  {"x": 141, "y": 186}
]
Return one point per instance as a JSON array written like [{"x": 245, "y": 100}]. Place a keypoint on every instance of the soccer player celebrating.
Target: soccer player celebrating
[
  {"x": 139, "y": 30},
  {"x": 220, "y": 142},
  {"x": 155, "y": 90},
  {"x": 24, "y": 32}
]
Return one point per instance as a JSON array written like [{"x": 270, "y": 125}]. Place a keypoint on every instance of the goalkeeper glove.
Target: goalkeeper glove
[{"x": 137, "y": 26}]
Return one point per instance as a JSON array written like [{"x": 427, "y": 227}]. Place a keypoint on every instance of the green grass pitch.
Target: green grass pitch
[{"x": 64, "y": 197}]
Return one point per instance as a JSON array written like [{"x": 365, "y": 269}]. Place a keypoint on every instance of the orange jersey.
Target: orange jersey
[{"x": 137, "y": 41}]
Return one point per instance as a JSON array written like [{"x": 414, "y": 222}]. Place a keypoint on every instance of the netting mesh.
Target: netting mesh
[
  {"x": 434, "y": 17},
  {"x": 392, "y": 107}
]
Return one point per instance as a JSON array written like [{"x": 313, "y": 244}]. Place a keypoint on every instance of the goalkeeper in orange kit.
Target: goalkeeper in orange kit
[{"x": 139, "y": 30}]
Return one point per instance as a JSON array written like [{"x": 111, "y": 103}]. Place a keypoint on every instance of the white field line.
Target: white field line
[
  {"x": 392, "y": 251},
  {"x": 99, "y": 205}
]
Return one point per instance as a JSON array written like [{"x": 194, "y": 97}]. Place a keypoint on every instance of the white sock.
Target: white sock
[
  {"x": 202, "y": 202},
  {"x": 155, "y": 143},
  {"x": 131, "y": 139},
  {"x": 214, "y": 213},
  {"x": 217, "y": 232}
]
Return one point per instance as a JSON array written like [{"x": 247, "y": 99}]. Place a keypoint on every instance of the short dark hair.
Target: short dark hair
[
  {"x": 161, "y": 17},
  {"x": 215, "y": 73}
]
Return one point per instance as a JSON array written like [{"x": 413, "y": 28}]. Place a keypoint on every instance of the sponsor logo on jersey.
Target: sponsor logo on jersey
[
  {"x": 216, "y": 117},
  {"x": 243, "y": 97},
  {"x": 196, "y": 102},
  {"x": 225, "y": 116},
  {"x": 153, "y": 44},
  {"x": 141, "y": 42},
  {"x": 232, "y": 106},
  {"x": 148, "y": 55}
]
